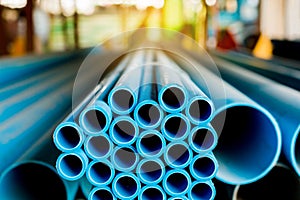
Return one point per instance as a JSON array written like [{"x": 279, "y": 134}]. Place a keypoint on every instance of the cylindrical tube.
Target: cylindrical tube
[
  {"x": 204, "y": 167},
  {"x": 203, "y": 139},
  {"x": 26, "y": 180},
  {"x": 68, "y": 136},
  {"x": 202, "y": 190},
  {"x": 124, "y": 159},
  {"x": 150, "y": 171},
  {"x": 177, "y": 182},
  {"x": 96, "y": 118},
  {"x": 72, "y": 166},
  {"x": 126, "y": 186},
  {"x": 178, "y": 198},
  {"x": 100, "y": 193},
  {"x": 100, "y": 173},
  {"x": 123, "y": 131},
  {"x": 242, "y": 126},
  {"x": 178, "y": 155},
  {"x": 98, "y": 147},
  {"x": 151, "y": 144},
  {"x": 123, "y": 97},
  {"x": 151, "y": 193},
  {"x": 175, "y": 127}
]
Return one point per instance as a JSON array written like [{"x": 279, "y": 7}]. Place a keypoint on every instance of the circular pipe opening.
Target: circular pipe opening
[
  {"x": 199, "y": 110},
  {"x": 71, "y": 166},
  {"x": 248, "y": 136},
  {"x": 123, "y": 131},
  {"x": 149, "y": 115},
  {"x": 98, "y": 146},
  {"x": 25, "y": 181},
  {"x": 124, "y": 158},
  {"x": 150, "y": 171},
  {"x": 201, "y": 191},
  {"x": 102, "y": 194},
  {"x": 100, "y": 173},
  {"x": 175, "y": 127},
  {"x": 68, "y": 137},
  {"x": 151, "y": 144},
  {"x": 94, "y": 120},
  {"x": 202, "y": 139},
  {"x": 203, "y": 168},
  {"x": 173, "y": 97},
  {"x": 126, "y": 186},
  {"x": 152, "y": 193},
  {"x": 122, "y": 100},
  {"x": 178, "y": 155},
  {"x": 177, "y": 183}
]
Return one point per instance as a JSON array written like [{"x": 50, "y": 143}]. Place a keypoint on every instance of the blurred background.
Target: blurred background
[{"x": 259, "y": 27}]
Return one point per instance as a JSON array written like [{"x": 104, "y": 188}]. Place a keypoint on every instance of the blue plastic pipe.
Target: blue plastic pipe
[
  {"x": 148, "y": 113},
  {"x": 124, "y": 159},
  {"x": 178, "y": 198},
  {"x": 178, "y": 155},
  {"x": 281, "y": 101},
  {"x": 203, "y": 139},
  {"x": 72, "y": 166},
  {"x": 175, "y": 127},
  {"x": 123, "y": 97},
  {"x": 204, "y": 167},
  {"x": 151, "y": 143},
  {"x": 152, "y": 192},
  {"x": 280, "y": 183},
  {"x": 100, "y": 173},
  {"x": 101, "y": 193},
  {"x": 126, "y": 186},
  {"x": 150, "y": 171},
  {"x": 123, "y": 131},
  {"x": 98, "y": 147},
  {"x": 177, "y": 182},
  {"x": 242, "y": 126},
  {"x": 29, "y": 180},
  {"x": 199, "y": 108},
  {"x": 202, "y": 190}
]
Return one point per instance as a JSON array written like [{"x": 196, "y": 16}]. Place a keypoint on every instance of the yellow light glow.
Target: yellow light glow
[
  {"x": 13, "y": 3},
  {"x": 210, "y": 2}
]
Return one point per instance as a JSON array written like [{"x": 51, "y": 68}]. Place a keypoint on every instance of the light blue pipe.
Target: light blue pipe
[
  {"x": 101, "y": 193},
  {"x": 68, "y": 136},
  {"x": 203, "y": 139},
  {"x": 151, "y": 143},
  {"x": 148, "y": 113},
  {"x": 98, "y": 147},
  {"x": 150, "y": 171},
  {"x": 96, "y": 118},
  {"x": 204, "y": 167},
  {"x": 26, "y": 180},
  {"x": 126, "y": 186},
  {"x": 123, "y": 131},
  {"x": 241, "y": 124},
  {"x": 85, "y": 186},
  {"x": 100, "y": 173},
  {"x": 280, "y": 183},
  {"x": 177, "y": 182},
  {"x": 123, "y": 97},
  {"x": 178, "y": 155},
  {"x": 124, "y": 159},
  {"x": 280, "y": 100},
  {"x": 178, "y": 198},
  {"x": 175, "y": 127},
  {"x": 202, "y": 190},
  {"x": 199, "y": 108},
  {"x": 72, "y": 166},
  {"x": 152, "y": 192}
]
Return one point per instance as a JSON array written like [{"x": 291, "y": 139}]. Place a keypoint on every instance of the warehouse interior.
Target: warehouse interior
[{"x": 149, "y": 99}]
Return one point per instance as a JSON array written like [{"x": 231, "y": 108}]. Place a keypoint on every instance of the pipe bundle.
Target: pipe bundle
[{"x": 144, "y": 132}]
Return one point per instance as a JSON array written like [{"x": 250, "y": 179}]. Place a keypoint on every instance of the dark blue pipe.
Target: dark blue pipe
[
  {"x": 101, "y": 193},
  {"x": 150, "y": 171},
  {"x": 151, "y": 143},
  {"x": 151, "y": 193},
  {"x": 126, "y": 186},
  {"x": 177, "y": 182},
  {"x": 124, "y": 159},
  {"x": 178, "y": 155},
  {"x": 100, "y": 173},
  {"x": 280, "y": 100},
  {"x": 204, "y": 167},
  {"x": 175, "y": 127},
  {"x": 202, "y": 190}
]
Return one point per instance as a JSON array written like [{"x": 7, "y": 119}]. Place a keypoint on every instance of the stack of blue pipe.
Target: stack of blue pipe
[{"x": 144, "y": 132}]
